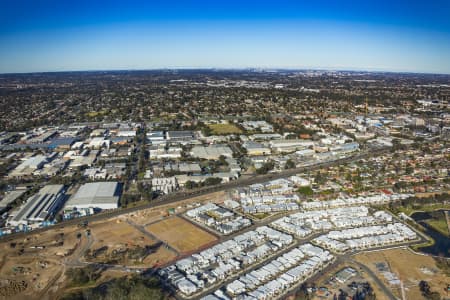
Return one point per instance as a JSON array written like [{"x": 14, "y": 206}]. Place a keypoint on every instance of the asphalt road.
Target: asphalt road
[
  {"x": 387, "y": 292},
  {"x": 340, "y": 259},
  {"x": 184, "y": 195}
]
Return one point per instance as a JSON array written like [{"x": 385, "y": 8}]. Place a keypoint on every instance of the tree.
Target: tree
[
  {"x": 222, "y": 160},
  {"x": 306, "y": 191},
  {"x": 134, "y": 288},
  {"x": 409, "y": 170},
  {"x": 207, "y": 131},
  {"x": 342, "y": 295},
  {"x": 303, "y": 294},
  {"x": 59, "y": 217},
  {"x": 212, "y": 181},
  {"x": 290, "y": 164},
  {"x": 190, "y": 184},
  {"x": 426, "y": 291},
  {"x": 265, "y": 168},
  {"x": 80, "y": 276},
  {"x": 319, "y": 178}
]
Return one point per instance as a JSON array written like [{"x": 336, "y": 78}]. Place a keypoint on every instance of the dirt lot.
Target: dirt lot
[
  {"x": 216, "y": 197},
  {"x": 117, "y": 239},
  {"x": 30, "y": 267},
  {"x": 181, "y": 234},
  {"x": 116, "y": 233},
  {"x": 409, "y": 267},
  {"x": 147, "y": 216},
  {"x": 160, "y": 257},
  {"x": 34, "y": 267},
  {"x": 151, "y": 215}
]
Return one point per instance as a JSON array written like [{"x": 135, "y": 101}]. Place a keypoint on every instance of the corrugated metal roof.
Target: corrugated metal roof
[{"x": 96, "y": 193}]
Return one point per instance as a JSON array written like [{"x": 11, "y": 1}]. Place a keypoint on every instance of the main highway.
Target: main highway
[{"x": 184, "y": 195}]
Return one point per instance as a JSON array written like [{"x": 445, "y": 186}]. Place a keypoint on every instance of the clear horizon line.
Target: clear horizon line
[{"x": 338, "y": 69}]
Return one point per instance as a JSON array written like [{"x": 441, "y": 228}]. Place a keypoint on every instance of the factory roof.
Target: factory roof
[
  {"x": 40, "y": 206},
  {"x": 96, "y": 194},
  {"x": 213, "y": 151},
  {"x": 10, "y": 197}
]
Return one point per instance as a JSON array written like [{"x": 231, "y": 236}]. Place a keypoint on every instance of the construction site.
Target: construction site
[
  {"x": 401, "y": 270},
  {"x": 34, "y": 267},
  {"x": 182, "y": 235}
]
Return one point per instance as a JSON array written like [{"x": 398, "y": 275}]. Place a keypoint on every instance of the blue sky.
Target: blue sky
[{"x": 43, "y": 35}]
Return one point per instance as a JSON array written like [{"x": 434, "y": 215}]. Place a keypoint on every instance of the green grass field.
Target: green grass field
[
  {"x": 92, "y": 114},
  {"x": 427, "y": 208},
  {"x": 439, "y": 225},
  {"x": 224, "y": 129},
  {"x": 261, "y": 216}
]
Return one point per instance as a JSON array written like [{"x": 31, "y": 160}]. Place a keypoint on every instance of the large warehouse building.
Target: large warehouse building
[
  {"x": 40, "y": 207},
  {"x": 212, "y": 151},
  {"x": 99, "y": 195}
]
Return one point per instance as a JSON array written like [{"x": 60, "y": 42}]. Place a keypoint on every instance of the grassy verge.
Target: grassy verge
[
  {"x": 428, "y": 243},
  {"x": 224, "y": 129},
  {"x": 439, "y": 225},
  {"x": 80, "y": 286},
  {"x": 409, "y": 210},
  {"x": 260, "y": 216}
]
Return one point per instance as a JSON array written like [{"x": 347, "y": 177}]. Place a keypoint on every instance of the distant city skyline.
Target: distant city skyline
[{"x": 47, "y": 36}]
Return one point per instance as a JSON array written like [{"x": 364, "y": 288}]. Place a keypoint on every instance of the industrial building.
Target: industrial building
[
  {"x": 127, "y": 133},
  {"x": 265, "y": 136},
  {"x": 282, "y": 146},
  {"x": 254, "y": 148},
  {"x": 348, "y": 147},
  {"x": 40, "y": 207},
  {"x": 181, "y": 136},
  {"x": 211, "y": 152},
  {"x": 263, "y": 126},
  {"x": 99, "y": 195},
  {"x": 98, "y": 143},
  {"x": 161, "y": 151},
  {"x": 30, "y": 165},
  {"x": 156, "y": 137},
  {"x": 10, "y": 197},
  {"x": 165, "y": 185}
]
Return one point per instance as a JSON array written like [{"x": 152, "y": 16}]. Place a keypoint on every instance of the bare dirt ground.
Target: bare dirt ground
[
  {"x": 116, "y": 233},
  {"x": 34, "y": 267},
  {"x": 119, "y": 236},
  {"x": 181, "y": 234},
  {"x": 30, "y": 267},
  {"x": 160, "y": 257},
  {"x": 409, "y": 267},
  {"x": 151, "y": 215}
]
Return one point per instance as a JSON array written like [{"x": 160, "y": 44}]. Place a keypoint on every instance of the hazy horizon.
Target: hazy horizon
[{"x": 268, "y": 69}]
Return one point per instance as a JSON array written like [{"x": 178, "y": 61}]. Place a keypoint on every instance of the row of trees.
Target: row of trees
[
  {"x": 125, "y": 288},
  {"x": 81, "y": 276},
  {"x": 426, "y": 291},
  {"x": 265, "y": 168},
  {"x": 420, "y": 201},
  {"x": 208, "y": 182}
]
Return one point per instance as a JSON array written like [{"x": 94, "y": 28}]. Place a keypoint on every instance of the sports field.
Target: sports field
[
  {"x": 180, "y": 234},
  {"x": 224, "y": 128}
]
